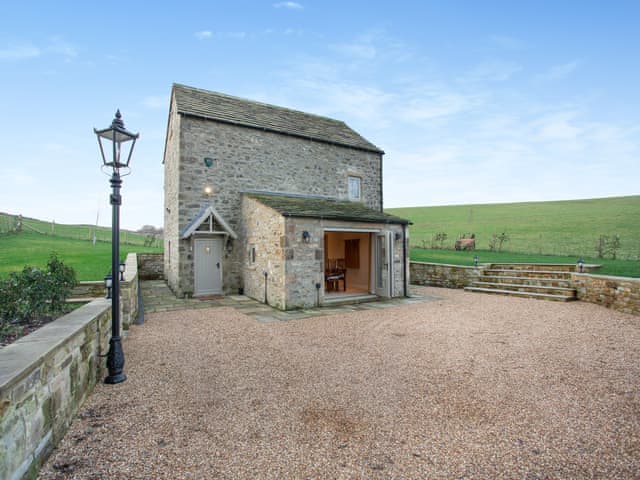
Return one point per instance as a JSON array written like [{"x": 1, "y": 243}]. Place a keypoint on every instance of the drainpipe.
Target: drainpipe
[
  {"x": 404, "y": 258},
  {"x": 318, "y": 285},
  {"x": 266, "y": 300}
]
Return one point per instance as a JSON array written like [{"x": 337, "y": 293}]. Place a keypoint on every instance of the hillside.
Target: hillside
[
  {"x": 569, "y": 227},
  {"x": 9, "y": 223},
  {"x": 28, "y": 241}
]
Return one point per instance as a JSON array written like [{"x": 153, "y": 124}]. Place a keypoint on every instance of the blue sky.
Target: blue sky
[{"x": 472, "y": 101}]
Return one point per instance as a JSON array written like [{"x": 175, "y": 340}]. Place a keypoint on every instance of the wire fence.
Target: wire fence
[{"x": 14, "y": 224}]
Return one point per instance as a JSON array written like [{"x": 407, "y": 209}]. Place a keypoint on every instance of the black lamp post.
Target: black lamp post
[{"x": 120, "y": 138}]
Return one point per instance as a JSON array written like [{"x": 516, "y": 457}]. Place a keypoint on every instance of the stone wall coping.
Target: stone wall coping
[
  {"x": 18, "y": 359},
  {"x": 608, "y": 277},
  {"x": 451, "y": 265}
]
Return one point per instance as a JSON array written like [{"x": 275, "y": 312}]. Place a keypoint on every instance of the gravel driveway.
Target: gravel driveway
[{"x": 469, "y": 386}]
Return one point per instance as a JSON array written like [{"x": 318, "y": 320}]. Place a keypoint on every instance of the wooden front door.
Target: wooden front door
[{"x": 208, "y": 266}]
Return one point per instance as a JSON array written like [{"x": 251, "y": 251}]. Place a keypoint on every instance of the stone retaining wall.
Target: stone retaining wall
[
  {"x": 128, "y": 288},
  {"x": 618, "y": 293},
  {"x": 44, "y": 379},
  {"x": 442, "y": 275},
  {"x": 150, "y": 266}
]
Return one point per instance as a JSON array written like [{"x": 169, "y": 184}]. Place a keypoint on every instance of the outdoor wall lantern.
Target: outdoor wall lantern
[
  {"x": 475, "y": 260},
  {"x": 306, "y": 237},
  {"x": 122, "y": 266},
  {"x": 229, "y": 245},
  {"x": 208, "y": 190},
  {"x": 580, "y": 265},
  {"x": 122, "y": 143},
  {"x": 107, "y": 284}
]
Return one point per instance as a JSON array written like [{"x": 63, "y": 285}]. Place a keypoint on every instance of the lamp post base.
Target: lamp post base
[{"x": 115, "y": 362}]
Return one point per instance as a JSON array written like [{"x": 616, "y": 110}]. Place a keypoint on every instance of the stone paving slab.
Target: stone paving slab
[{"x": 157, "y": 297}]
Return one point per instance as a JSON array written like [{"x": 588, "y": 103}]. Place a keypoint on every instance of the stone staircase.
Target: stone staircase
[{"x": 542, "y": 281}]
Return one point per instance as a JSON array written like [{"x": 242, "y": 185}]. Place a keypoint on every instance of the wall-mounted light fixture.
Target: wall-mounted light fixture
[
  {"x": 397, "y": 236},
  {"x": 208, "y": 190},
  {"x": 121, "y": 270},
  {"x": 229, "y": 245},
  {"x": 580, "y": 265},
  {"x": 208, "y": 161},
  {"x": 306, "y": 236}
]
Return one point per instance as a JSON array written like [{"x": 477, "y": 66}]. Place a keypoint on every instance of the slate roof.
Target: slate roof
[
  {"x": 239, "y": 111},
  {"x": 313, "y": 207}
]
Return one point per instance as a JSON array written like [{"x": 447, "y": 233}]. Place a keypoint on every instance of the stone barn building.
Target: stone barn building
[{"x": 281, "y": 205}]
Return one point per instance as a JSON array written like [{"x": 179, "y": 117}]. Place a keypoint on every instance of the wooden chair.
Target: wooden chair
[{"x": 334, "y": 272}]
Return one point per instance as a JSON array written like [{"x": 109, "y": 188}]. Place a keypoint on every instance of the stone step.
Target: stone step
[
  {"x": 540, "y": 296},
  {"x": 339, "y": 300},
  {"x": 546, "y": 282},
  {"x": 494, "y": 272},
  {"x": 526, "y": 288}
]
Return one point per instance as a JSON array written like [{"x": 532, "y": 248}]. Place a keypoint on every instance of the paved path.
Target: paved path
[{"x": 157, "y": 297}]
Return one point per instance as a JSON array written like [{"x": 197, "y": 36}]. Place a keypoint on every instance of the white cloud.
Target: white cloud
[
  {"x": 288, "y": 5},
  {"x": 357, "y": 50},
  {"x": 19, "y": 52},
  {"x": 558, "y": 72},
  {"x": 59, "y": 46},
  {"x": 557, "y": 127},
  {"x": 55, "y": 46},
  {"x": 203, "y": 34}
]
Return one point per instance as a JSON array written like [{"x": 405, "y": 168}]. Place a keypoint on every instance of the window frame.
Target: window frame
[{"x": 354, "y": 180}]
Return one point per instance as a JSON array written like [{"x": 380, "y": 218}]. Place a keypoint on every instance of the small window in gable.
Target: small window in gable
[{"x": 354, "y": 188}]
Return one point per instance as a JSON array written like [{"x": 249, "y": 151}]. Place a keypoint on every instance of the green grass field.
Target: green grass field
[
  {"x": 91, "y": 262},
  {"x": 564, "y": 228}
]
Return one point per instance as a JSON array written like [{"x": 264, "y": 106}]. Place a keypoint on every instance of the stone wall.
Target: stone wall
[
  {"x": 618, "y": 293},
  {"x": 294, "y": 267},
  {"x": 264, "y": 250},
  {"x": 44, "y": 379},
  {"x": 247, "y": 159},
  {"x": 443, "y": 275},
  {"x": 150, "y": 266},
  {"x": 172, "y": 170},
  {"x": 129, "y": 292}
]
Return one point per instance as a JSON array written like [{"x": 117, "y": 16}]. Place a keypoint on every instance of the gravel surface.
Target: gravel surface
[{"x": 469, "y": 386}]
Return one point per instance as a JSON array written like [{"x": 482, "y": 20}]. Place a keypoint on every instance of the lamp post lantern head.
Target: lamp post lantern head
[
  {"x": 119, "y": 137},
  {"x": 121, "y": 268},
  {"x": 108, "y": 284}
]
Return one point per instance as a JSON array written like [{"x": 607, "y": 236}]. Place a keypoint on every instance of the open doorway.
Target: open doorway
[{"x": 347, "y": 260}]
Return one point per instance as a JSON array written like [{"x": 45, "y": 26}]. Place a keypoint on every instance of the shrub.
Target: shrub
[{"x": 35, "y": 293}]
